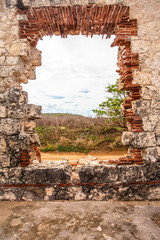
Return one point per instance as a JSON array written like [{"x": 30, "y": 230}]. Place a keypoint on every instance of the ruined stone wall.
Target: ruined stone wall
[
  {"x": 138, "y": 61},
  {"x": 17, "y": 65},
  {"x": 147, "y": 45}
]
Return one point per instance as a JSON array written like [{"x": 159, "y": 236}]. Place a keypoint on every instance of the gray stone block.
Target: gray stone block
[{"x": 33, "y": 111}]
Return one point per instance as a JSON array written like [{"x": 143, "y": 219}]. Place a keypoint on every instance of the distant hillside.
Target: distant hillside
[
  {"x": 62, "y": 114},
  {"x": 71, "y": 132}
]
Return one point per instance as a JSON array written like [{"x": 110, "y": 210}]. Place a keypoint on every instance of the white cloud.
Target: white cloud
[{"x": 73, "y": 74}]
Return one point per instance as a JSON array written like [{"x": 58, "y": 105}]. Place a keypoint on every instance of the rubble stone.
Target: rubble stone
[
  {"x": 19, "y": 49},
  {"x": 3, "y": 144},
  {"x": 152, "y": 155},
  {"x": 150, "y": 122},
  {"x": 33, "y": 111},
  {"x": 9, "y": 126},
  {"x": 12, "y": 60},
  {"x": 3, "y": 111}
]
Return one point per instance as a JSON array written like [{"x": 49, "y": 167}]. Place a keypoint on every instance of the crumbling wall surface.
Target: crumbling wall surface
[
  {"x": 147, "y": 45},
  {"x": 95, "y": 181},
  {"x": 17, "y": 65},
  {"x": 138, "y": 60}
]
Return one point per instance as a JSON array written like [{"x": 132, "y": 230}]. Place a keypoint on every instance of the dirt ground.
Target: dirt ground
[
  {"x": 63, "y": 220},
  {"x": 76, "y": 156}
]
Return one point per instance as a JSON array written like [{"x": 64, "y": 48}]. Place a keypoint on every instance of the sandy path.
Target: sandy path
[{"x": 76, "y": 156}]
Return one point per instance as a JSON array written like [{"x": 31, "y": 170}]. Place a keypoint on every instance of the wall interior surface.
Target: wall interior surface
[{"x": 136, "y": 27}]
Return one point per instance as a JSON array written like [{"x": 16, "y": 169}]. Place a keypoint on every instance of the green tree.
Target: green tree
[{"x": 111, "y": 108}]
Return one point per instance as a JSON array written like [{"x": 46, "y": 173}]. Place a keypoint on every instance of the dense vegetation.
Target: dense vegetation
[{"x": 67, "y": 132}]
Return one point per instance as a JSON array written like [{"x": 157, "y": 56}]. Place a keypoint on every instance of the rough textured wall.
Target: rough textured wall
[
  {"x": 17, "y": 65},
  {"x": 147, "y": 45},
  {"x": 138, "y": 60}
]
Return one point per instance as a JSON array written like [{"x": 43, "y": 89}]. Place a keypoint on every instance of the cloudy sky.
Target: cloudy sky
[{"x": 73, "y": 74}]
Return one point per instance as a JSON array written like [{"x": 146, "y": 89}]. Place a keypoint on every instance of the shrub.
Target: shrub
[
  {"x": 48, "y": 148},
  {"x": 66, "y": 132}
]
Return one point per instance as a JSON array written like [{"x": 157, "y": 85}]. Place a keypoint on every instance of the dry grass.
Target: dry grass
[{"x": 67, "y": 132}]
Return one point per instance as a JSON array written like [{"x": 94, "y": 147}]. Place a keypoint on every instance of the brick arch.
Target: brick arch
[{"x": 72, "y": 20}]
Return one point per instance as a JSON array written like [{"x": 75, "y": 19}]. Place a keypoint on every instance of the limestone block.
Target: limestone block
[
  {"x": 34, "y": 139},
  {"x": 49, "y": 191},
  {"x": 42, "y": 175},
  {"x": 59, "y": 174},
  {"x": 11, "y": 3},
  {"x": 130, "y": 173},
  {"x": 3, "y": 144},
  {"x": 14, "y": 142},
  {"x": 1, "y": 43},
  {"x": 14, "y": 159},
  {"x": 23, "y": 79},
  {"x": 139, "y": 140},
  {"x": 3, "y": 111},
  {"x": 157, "y": 130},
  {"x": 9, "y": 196},
  {"x": 2, "y": 86},
  {"x": 2, "y": 98},
  {"x": 33, "y": 111},
  {"x": 31, "y": 75},
  {"x": 15, "y": 175},
  {"x": 24, "y": 140},
  {"x": 141, "y": 46},
  {"x": 6, "y": 84},
  {"x": 2, "y": 51},
  {"x": 13, "y": 95},
  {"x": 141, "y": 107},
  {"x": 23, "y": 98},
  {"x": 144, "y": 140},
  {"x": 29, "y": 126},
  {"x": 158, "y": 141},
  {"x": 19, "y": 49},
  {"x": 4, "y": 72},
  {"x": 16, "y": 70},
  {"x": 107, "y": 174},
  {"x": 27, "y": 66},
  {"x": 156, "y": 46},
  {"x": 16, "y": 111},
  {"x": 149, "y": 92},
  {"x": 79, "y": 195},
  {"x": 9, "y": 126},
  {"x": 151, "y": 155},
  {"x": 154, "y": 61},
  {"x": 155, "y": 78},
  {"x": 4, "y": 160},
  {"x": 12, "y": 60},
  {"x": 155, "y": 107},
  {"x": 2, "y": 60},
  {"x": 36, "y": 57},
  {"x": 150, "y": 122},
  {"x": 22, "y": 17},
  {"x": 15, "y": 30},
  {"x": 149, "y": 29},
  {"x": 127, "y": 138},
  {"x": 151, "y": 171},
  {"x": 158, "y": 151},
  {"x": 98, "y": 174},
  {"x": 4, "y": 175},
  {"x": 53, "y": 2}
]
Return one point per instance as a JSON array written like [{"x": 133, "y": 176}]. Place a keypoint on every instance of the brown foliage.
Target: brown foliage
[{"x": 67, "y": 132}]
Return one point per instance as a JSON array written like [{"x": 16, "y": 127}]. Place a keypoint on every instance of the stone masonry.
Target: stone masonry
[{"x": 135, "y": 25}]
